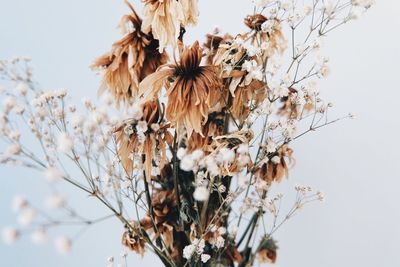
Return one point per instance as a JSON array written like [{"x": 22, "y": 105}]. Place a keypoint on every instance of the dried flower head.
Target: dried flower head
[
  {"x": 267, "y": 252},
  {"x": 134, "y": 240},
  {"x": 165, "y": 19},
  {"x": 193, "y": 90},
  {"x": 143, "y": 139},
  {"x": 131, "y": 59},
  {"x": 274, "y": 166}
]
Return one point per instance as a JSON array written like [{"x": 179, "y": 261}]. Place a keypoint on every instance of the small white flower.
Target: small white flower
[
  {"x": 19, "y": 109},
  {"x": 221, "y": 188},
  {"x": 243, "y": 149},
  {"x": 201, "y": 193},
  {"x": 227, "y": 155},
  {"x": 271, "y": 146},
  {"x": 276, "y": 160},
  {"x": 200, "y": 245},
  {"x": 141, "y": 127},
  {"x": 212, "y": 166},
  {"x": 307, "y": 10},
  {"x": 243, "y": 180},
  {"x": 312, "y": 89},
  {"x": 10, "y": 235},
  {"x": 19, "y": 203},
  {"x": 55, "y": 201},
  {"x": 187, "y": 163},
  {"x": 197, "y": 155},
  {"x": 9, "y": 103},
  {"x": 267, "y": 26},
  {"x": 155, "y": 127},
  {"x": 108, "y": 99},
  {"x": 136, "y": 112},
  {"x": 363, "y": 3},
  {"x": 252, "y": 50},
  {"x": 53, "y": 175},
  {"x": 13, "y": 149},
  {"x": 324, "y": 71},
  {"x": 22, "y": 88},
  {"x": 222, "y": 230},
  {"x": 39, "y": 236},
  {"x": 205, "y": 257},
  {"x": 15, "y": 135},
  {"x": 282, "y": 91},
  {"x": 188, "y": 251},
  {"x": 65, "y": 143},
  {"x": 26, "y": 216},
  {"x": 219, "y": 242},
  {"x": 181, "y": 153},
  {"x": 63, "y": 244},
  {"x": 60, "y": 93}
]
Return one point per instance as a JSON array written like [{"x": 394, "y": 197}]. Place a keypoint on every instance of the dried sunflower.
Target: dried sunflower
[
  {"x": 145, "y": 138},
  {"x": 193, "y": 91},
  {"x": 131, "y": 59}
]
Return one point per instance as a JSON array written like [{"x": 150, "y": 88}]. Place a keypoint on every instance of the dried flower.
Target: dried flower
[
  {"x": 130, "y": 60},
  {"x": 192, "y": 94},
  {"x": 267, "y": 251},
  {"x": 143, "y": 141},
  {"x": 53, "y": 175},
  {"x": 164, "y": 18},
  {"x": 65, "y": 143},
  {"x": 133, "y": 240},
  {"x": 274, "y": 169}
]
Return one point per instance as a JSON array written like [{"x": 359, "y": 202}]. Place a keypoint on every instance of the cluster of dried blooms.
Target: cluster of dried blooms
[{"x": 201, "y": 137}]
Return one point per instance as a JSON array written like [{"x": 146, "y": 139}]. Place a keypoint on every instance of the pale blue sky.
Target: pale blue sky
[{"x": 357, "y": 163}]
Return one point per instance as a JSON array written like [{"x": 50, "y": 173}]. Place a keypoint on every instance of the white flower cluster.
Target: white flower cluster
[
  {"x": 363, "y": 3},
  {"x": 254, "y": 71},
  {"x": 196, "y": 248}
]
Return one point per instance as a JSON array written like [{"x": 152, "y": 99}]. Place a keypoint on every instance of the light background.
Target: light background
[{"x": 357, "y": 163}]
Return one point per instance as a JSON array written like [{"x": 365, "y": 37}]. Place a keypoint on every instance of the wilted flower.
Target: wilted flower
[
  {"x": 267, "y": 32},
  {"x": 133, "y": 240},
  {"x": 276, "y": 168},
  {"x": 267, "y": 251},
  {"x": 143, "y": 140},
  {"x": 165, "y": 18},
  {"x": 193, "y": 90},
  {"x": 130, "y": 60}
]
